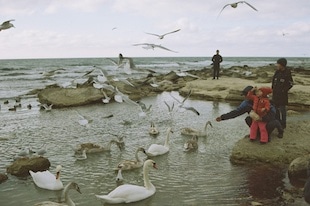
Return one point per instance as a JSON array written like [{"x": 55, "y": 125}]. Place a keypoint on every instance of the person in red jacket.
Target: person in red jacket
[{"x": 261, "y": 106}]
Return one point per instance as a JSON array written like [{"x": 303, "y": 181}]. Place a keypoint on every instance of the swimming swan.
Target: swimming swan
[
  {"x": 94, "y": 148},
  {"x": 195, "y": 132},
  {"x": 131, "y": 193},
  {"x": 153, "y": 129},
  {"x": 191, "y": 144},
  {"x": 157, "y": 149},
  {"x": 47, "y": 180},
  {"x": 68, "y": 200},
  {"x": 132, "y": 164}
]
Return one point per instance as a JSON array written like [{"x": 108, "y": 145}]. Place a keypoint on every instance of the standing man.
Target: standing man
[
  {"x": 282, "y": 82},
  {"x": 216, "y": 59}
]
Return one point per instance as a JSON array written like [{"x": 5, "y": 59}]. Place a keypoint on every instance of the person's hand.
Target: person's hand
[
  {"x": 263, "y": 109},
  {"x": 218, "y": 119}
]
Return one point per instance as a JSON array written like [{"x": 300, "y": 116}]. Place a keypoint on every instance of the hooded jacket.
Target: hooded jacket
[{"x": 260, "y": 103}]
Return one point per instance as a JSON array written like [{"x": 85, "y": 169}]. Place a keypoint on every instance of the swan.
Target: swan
[
  {"x": 191, "y": 144},
  {"x": 47, "y": 180},
  {"x": 94, "y": 148},
  {"x": 132, "y": 164},
  {"x": 68, "y": 200},
  {"x": 153, "y": 129},
  {"x": 157, "y": 149},
  {"x": 200, "y": 133},
  {"x": 132, "y": 193}
]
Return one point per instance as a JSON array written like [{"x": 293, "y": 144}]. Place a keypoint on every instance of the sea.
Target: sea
[{"x": 203, "y": 177}]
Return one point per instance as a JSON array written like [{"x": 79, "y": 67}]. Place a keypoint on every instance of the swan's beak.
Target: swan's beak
[{"x": 78, "y": 189}]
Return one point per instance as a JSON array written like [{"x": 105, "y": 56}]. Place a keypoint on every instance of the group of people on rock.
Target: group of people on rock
[{"x": 265, "y": 115}]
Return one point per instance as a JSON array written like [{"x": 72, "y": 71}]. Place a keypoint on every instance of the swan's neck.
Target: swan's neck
[
  {"x": 68, "y": 200},
  {"x": 167, "y": 140},
  {"x": 109, "y": 145},
  {"x": 57, "y": 175},
  {"x": 147, "y": 183},
  {"x": 137, "y": 156}
]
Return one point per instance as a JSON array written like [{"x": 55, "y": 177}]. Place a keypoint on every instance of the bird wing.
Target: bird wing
[
  {"x": 223, "y": 9},
  {"x": 171, "y": 32},
  {"x": 153, "y": 34},
  {"x": 8, "y": 21},
  {"x": 192, "y": 109},
  {"x": 248, "y": 5},
  {"x": 159, "y": 46}
]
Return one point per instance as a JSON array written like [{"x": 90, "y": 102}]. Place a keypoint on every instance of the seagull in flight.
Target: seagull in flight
[
  {"x": 161, "y": 36},
  {"x": 234, "y": 5},
  {"x": 153, "y": 46},
  {"x": 181, "y": 103},
  {"x": 6, "y": 25}
]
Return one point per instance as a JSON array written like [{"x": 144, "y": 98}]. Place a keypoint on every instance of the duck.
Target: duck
[
  {"x": 68, "y": 201},
  {"x": 95, "y": 148},
  {"x": 47, "y": 180},
  {"x": 132, "y": 164},
  {"x": 128, "y": 193},
  {"x": 191, "y": 144},
  {"x": 153, "y": 129},
  {"x": 157, "y": 149},
  {"x": 195, "y": 132}
]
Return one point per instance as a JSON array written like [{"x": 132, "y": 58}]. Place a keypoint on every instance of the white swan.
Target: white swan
[
  {"x": 195, "y": 132},
  {"x": 191, "y": 144},
  {"x": 132, "y": 193},
  {"x": 68, "y": 200},
  {"x": 153, "y": 129},
  {"x": 132, "y": 164},
  {"x": 47, "y": 180},
  {"x": 94, "y": 148},
  {"x": 157, "y": 149}
]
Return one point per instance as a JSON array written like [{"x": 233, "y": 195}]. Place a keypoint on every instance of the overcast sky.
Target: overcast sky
[{"x": 84, "y": 28}]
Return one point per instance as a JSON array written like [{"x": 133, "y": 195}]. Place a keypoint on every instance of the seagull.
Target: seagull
[
  {"x": 181, "y": 103},
  {"x": 234, "y": 5},
  {"x": 46, "y": 107},
  {"x": 122, "y": 61},
  {"x": 83, "y": 121},
  {"x": 163, "y": 35},
  {"x": 144, "y": 109},
  {"x": 153, "y": 46},
  {"x": 6, "y": 25}
]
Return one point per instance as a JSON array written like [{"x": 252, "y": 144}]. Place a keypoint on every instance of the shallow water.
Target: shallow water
[{"x": 204, "y": 177}]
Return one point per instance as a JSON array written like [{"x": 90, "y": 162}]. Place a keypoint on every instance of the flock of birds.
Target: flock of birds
[
  {"x": 124, "y": 193},
  {"x": 7, "y": 25}
]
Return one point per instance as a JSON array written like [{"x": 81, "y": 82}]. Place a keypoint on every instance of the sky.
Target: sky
[{"x": 105, "y": 28}]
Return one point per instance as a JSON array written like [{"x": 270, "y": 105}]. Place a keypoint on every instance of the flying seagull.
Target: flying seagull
[
  {"x": 163, "y": 35},
  {"x": 6, "y": 25},
  {"x": 234, "y": 5},
  {"x": 153, "y": 46}
]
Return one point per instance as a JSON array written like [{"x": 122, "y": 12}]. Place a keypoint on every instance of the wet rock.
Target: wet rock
[
  {"x": 298, "y": 168},
  {"x": 3, "y": 178},
  {"x": 21, "y": 167}
]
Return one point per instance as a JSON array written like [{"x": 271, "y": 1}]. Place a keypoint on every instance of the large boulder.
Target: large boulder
[
  {"x": 65, "y": 97},
  {"x": 21, "y": 167},
  {"x": 298, "y": 167}
]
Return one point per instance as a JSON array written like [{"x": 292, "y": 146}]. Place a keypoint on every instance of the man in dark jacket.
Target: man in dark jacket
[
  {"x": 216, "y": 59},
  {"x": 282, "y": 82},
  {"x": 245, "y": 107}
]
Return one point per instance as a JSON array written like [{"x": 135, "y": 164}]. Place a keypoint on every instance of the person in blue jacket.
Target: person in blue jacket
[{"x": 246, "y": 106}]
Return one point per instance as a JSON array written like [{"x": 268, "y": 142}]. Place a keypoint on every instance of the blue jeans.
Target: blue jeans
[{"x": 281, "y": 115}]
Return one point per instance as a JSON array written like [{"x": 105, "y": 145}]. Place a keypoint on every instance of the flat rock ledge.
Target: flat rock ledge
[
  {"x": 21, "y": 167},
  {"x": 279, "y": 151}
]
